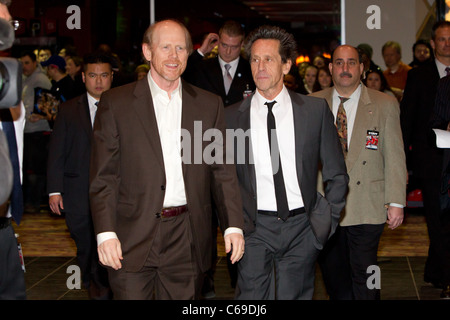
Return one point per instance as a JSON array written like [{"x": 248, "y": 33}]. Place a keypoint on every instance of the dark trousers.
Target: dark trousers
[
  {"x": 94, "y": 275},
  {"x": 345, "y": 259},
  {"x": 279, "y": 260},
  {"x": 35, "y": 150},
  {"x": 170, "y": 272},
  {"x": 437, "y": 265},
  {"x": 12, "y": 279}
]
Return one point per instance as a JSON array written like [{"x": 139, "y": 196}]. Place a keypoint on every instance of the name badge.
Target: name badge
[{"x": 372, "y": 139}]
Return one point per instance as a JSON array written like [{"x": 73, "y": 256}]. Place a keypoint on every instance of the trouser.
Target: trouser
[
  {"x": 279, "y": 260},
  {"x": 12, "y": 279},
  {"x": 437, "y": 265},
  {"x": 94, "y": 276},
  {"x": 345, "y": 259},
  {"x": 170, "y": 271},
  {"x": 35, "y": 152}
]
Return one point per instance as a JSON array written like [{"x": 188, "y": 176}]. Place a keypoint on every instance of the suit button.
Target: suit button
[
  {"x": 163, "y": 187},
  {"x": 364, "y": 162},
  {"x": 158, "y": 215},
  {"x": 358, "y": 183}
]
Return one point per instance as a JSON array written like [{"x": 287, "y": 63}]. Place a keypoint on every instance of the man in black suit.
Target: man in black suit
[
  {"x": 423, "y": 158},
  {"x": 211, "y": 74},
  {"x": 68, "y": 170},
  {"x": 441, "y": 120},
  {"x": 286, "y": 220}
]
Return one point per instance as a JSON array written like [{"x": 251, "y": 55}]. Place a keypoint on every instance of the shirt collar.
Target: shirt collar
[
  {"x": 441, "y": 68},
  {"x": 91, "y": 100},
  {"x": 233, "y": 64},
  {"x": 354, "y": 96},
  {"x": 280, "y": 99},
  {"x": 156, "y": 90}
]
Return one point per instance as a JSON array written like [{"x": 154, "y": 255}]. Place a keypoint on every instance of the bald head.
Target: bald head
[
  {"x": 346, "y": 69},
  {"x": 150, "y": 32}
]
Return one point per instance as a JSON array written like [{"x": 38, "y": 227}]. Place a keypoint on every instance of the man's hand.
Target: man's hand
[
  {"x": 209, "y": 43},
  {"x": 56, "y": 204},
  {"x": 110, "y": 253},
  {"x": 395, "y": 217},
  {"x": 235, "y": 243}
]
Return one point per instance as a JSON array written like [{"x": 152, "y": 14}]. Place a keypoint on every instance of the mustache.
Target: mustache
[{"x": 346, "y": 74}]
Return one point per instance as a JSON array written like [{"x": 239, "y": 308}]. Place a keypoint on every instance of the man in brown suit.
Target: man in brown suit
[
  {"x": 150, "y": 194},
  {"x": 372, "y": 145}
]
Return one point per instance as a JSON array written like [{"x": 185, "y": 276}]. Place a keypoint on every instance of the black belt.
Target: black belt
[
  {"x": 292, "y": 213},
  {"x": 5, "y": 223}
]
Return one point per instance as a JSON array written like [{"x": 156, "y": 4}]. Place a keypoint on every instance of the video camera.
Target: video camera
[{"x": 10, "y": 69}]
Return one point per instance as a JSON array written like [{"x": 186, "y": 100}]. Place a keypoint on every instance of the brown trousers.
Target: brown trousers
[{"x": 170, "y": 272}]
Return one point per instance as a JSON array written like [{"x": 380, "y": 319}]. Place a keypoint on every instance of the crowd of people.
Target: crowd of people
[{"x": 333, "y": 145}]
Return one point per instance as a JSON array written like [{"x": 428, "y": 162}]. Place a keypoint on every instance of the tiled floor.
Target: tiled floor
[
  {"x": 49, "y": 251},
  {"x": 401, "y": 279}
]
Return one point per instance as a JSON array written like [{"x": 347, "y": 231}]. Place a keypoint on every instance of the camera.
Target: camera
[{"x": 10, "y": 70}]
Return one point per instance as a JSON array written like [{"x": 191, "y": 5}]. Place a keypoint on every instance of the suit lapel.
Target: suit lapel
[
  {"x": 300, "y": 130},
  {"x": 143, "y": 106},
  {"x": 244, "y": 124},
  {"x": 85, "y": 115},
  {"x": 188, "y": 118},
  {"x": 216, "y": 77},
  {"x": 359, "y": 133}
]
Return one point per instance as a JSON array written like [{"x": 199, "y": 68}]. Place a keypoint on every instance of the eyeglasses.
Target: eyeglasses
[{"x": 15, "y": 24}]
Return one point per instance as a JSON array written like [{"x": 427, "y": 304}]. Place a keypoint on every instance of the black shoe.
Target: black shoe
[
  {"x": 436, "y": 283},
  {"x": 445, "y": 294}
]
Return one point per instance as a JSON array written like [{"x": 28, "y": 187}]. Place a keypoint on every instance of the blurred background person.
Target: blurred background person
[
  {"x": 396, "y": 72},
  {"x": 324, "y": 78},
  {"x": 376, "y": 80},
  {"x": 310, "y": 83},
  {"x": 141, "y": 71},
  {"x": 422, "y": 52},
  {"x": 74, "y": 66}
]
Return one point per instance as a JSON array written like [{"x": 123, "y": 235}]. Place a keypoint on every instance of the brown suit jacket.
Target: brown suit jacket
[
  {"x": 128, "y": 179},
  {"x": 377, "y": 177}
]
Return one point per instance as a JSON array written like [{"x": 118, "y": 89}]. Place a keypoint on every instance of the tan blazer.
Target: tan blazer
[
  {"x": 377, "y": 177},
  {"x": 128, "y": 178}
]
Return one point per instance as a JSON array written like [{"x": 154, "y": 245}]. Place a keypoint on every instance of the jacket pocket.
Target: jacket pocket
[{"x": 320, "y": 220}]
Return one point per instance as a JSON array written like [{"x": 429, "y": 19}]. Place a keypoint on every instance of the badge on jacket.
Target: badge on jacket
[{"x": 372, "y": 139}]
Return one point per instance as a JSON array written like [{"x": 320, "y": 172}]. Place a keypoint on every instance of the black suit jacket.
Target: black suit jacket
[
  {"x": 316, "y": 143},
  {"x": 441, "y": 115},
  {"x": 69, "y": 155},
  {"x": 415, "y": 114},
  {"x": 207, "y": 74}
]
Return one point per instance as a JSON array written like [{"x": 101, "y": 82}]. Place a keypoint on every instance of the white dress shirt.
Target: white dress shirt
[
  {"x": 284, "y": 119},
  {"x": 92, "y": 107},
  {"x": 350, "y": 106},
  {"x": 168, "y": 117}
]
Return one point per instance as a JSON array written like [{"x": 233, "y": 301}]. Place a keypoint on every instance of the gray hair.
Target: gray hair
[{"x": 288, "y": 45}]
